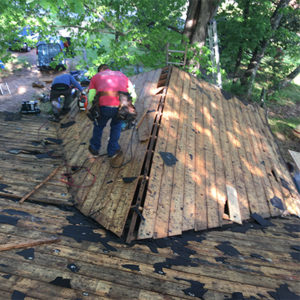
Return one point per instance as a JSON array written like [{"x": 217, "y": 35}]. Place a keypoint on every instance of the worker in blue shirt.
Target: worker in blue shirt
[{"x": 62, "y": 86}]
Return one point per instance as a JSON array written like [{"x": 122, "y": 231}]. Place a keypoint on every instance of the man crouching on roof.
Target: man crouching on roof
[{"x": 105, "y": 85}]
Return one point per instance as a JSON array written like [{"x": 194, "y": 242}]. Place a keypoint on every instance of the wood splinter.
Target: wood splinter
[
  {"x": 39, "y": 185},
  {"x": 28, "y": 244}
]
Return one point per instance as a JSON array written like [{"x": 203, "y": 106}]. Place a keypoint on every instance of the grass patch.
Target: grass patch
[
  {"x": 287, "y": 96},
  {"x": 284, "y": 126}
]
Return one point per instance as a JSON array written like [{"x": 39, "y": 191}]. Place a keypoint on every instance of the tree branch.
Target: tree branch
[
  {"x": 108, "y": 24},
  {"x": 175, "y": 29}
]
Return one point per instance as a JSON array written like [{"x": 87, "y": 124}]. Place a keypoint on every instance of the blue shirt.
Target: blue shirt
[{"x": 68, "y": 80}]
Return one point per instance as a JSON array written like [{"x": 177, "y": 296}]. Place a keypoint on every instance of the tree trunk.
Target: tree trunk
[
  {"x": 283, "y": 83},
  {"x": 200, "y": 12},
  {"x": 250, "y": 74},
  {"x": 241, "y": 50},
  {"x": 191, "y": 19}
]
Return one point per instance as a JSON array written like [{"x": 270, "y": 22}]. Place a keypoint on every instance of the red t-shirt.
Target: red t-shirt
[{"x": 109, "y": 80}]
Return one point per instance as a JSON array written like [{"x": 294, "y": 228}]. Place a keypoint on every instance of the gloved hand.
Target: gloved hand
[{"x": 83, "y": 93}]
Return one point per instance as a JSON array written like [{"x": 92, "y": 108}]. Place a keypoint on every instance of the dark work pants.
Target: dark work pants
[
  {"x": 107, "y": 113},
  {"x": 54, "y": 94}
]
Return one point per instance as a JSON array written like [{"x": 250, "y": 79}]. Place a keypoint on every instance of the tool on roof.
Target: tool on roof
[
  {"x": 82, "y": 102},
  {"x": 30, "y": 107}
]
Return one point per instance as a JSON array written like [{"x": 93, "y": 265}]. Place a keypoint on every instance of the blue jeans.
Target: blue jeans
[{"x": 107, "y": 113}]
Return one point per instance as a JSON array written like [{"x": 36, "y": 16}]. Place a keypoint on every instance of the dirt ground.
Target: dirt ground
[{"x": 20, "y": 78}]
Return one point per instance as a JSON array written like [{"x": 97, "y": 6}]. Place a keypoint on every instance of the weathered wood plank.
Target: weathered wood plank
[
  {"x": 233, "y": 205},
  {"x": 16, "y": 178},
  {"x": 210, "y": 186},
  {"x": 171, "y": 274},
  {"x": 289, "y": 191},
  {"x": 146, "y": 228},
  {"x": 200, "y": 199},
  {"x": 40, "y": 184},
  {"x": 144, "y": 269},
  {"x": 220, "y": 188},
  {"x": 201, "y": 247},
  {"x": 145, "y": 124},
  {"x": 248, "y": 248},
  {"x": 271, "y": 188},
  {"x": 47, "y": 274},
  {"x": 223, "y": 152},
  {"x": 176, "y": 205},
  {"x": 188, "y": 221},
  {"x": 106, "y": 201},
  {"x": 34, "y": 289},
  {"x": 125, "y": 191},
  {"x": 169, "y": 125},
  {"x": 92, "y": 278},
  {"x": 254, "y": 205},
  {"x": 45, "y": 196},
  {"x": 257, "y": 200},
  {"x": 85, "y": 197},
  {"x": 234, "y": 145}
]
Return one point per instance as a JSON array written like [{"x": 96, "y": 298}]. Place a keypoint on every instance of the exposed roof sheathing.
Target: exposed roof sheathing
[
  {"x": 224, "y": 158},
  {"x": 88, "y": 262},
  {"x": 106, "y": 197},
  {"x": 54, "y": 252},
  {"x": 219, "y": 145},
  {"x": 29, "y": 151}
]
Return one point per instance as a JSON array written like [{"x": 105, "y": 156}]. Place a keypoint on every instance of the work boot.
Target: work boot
[
  {"x": 117, "y": 159},
  {"x": 54, "y": 118},
  {"x": 93, "y": 151}
]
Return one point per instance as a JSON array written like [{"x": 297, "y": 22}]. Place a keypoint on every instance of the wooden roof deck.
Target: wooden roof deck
[
  {"x": 108, "y": 200},
  {"x": 238, "y": 262},
  {"x": 54, "y": 252},
  {"x": 224, "y": 158},
  {"x": 223, "y": 155},
  {"x": 29, "y": 151},
  {"x": 196, "y": 154}
]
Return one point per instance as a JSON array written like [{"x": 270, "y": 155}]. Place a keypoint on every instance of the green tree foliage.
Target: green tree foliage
[
  {"x": 135, "y": 32},
  {"x": 199, "y": 13},
  {"x": 245, "y": 26},
  {"x": 11, "y": 18},
  {"x": 139, "y": 29}
]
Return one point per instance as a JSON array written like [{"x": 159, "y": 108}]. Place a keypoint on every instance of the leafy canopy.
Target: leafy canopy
[
  {"x": 125, "y": 32},
  {"x": 244, "y": 24}
]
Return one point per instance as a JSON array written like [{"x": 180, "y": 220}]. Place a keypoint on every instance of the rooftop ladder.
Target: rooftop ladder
[
  {"x": 169, "y": 52},
  {"x": 214, "y": 52}
]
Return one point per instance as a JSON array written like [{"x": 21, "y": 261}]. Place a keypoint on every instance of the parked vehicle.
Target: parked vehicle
[
  {"x": 47, "y": 52},
  {"x": 24, "y": 41}
]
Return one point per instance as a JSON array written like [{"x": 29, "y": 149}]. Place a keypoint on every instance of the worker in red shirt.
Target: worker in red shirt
[{"x": 106, "y": 84}]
